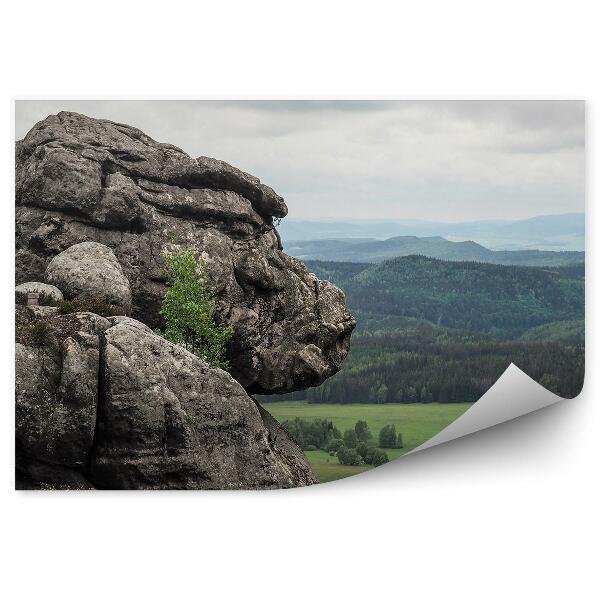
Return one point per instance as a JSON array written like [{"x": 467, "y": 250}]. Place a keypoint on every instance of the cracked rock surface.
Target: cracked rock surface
[
  {"x": 106, "y": 403},
  {"x": 80, "y": 179}
]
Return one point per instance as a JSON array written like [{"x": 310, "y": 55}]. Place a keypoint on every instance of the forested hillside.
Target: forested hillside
[
  {"x": 500, "y": 300},
  {"x": 422, "y": 362},
  {"x": 339, "y": 273},
  {"x": 441, "y": 331},
  {"x": 564, "y": 331}
]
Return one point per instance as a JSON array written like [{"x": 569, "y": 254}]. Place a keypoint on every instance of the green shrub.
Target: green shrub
[
  {"x": 362, "y": 449},
  {"x": 189, "y": 309},
  {"x": 310, "y": 447},
  {"x": 43, "y": 299},
  {"x": 362, "y": 431},
  {"x": 334, "y": 445},
  {"x": 88, "y": 304},
  {"x": 348, "y": 456},
  {"x": 350, "y": 438},
  {"x": 387, "y": 437},
  {"x": 378, "y": 457},
  {"x": 35, "y": 333}
]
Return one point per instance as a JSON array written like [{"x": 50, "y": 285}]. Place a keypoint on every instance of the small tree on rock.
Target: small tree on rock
[{"x": 189, "y": 308}]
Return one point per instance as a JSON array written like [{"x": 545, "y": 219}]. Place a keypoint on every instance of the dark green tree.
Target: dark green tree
[
  {"x": 362, "y": 431},
  {"x": 362, "y": 450},
  {"x": 318, "y": 433},
  {"x": 411, "y": 394},
  {"x": 349, "y": 456},
  {"x": 350, "y": 438},
  {"x": 334, "y": 445},
  {"x": 387, "y": 436},
  {"x": 378, "y": 457},
  {"x": 382, "y": 393}
]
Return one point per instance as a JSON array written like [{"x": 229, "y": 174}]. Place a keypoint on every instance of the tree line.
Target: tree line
[
  {"x": 421, "y": 362},
  {"x": 355, "y": 446}
]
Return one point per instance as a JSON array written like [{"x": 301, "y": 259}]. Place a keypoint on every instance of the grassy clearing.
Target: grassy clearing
[
  {"x": 416, "y": 422},
  {"x": 328, "y": 468}
]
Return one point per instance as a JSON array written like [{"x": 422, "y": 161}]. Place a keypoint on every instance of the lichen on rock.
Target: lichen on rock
[
  {"x": 80, "y": 179},
  {"x": 106, "y": 403},
  {"x": 90, "y": 271},
  {"x": 45, "y": 291}
]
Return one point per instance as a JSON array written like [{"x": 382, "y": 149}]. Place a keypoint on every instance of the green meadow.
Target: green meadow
[{"x": 416, "y": 422}]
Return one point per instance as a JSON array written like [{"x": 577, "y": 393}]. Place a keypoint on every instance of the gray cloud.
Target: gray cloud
[{"x": 446, "y": 160}]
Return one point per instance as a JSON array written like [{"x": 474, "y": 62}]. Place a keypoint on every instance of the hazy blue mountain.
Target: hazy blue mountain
[
  {"x": 360, "y": 250},
  {"x": 545, "y": 232}
]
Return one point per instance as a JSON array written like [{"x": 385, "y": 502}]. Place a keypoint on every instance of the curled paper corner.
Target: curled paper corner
[{"x": 513, "y": 395}]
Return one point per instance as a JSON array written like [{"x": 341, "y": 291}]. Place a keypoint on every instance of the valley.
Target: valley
[
  {"x": 432, "y": 337},
  {"x": 416, "y": 422}
]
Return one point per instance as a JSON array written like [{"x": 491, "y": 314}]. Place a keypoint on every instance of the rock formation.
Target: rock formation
[
  {"x": 80, "y": 179},
  {"x": 107, "y": 403},
  {"x": 46, "y": 291},
  {"x": 91, "y": 271}
]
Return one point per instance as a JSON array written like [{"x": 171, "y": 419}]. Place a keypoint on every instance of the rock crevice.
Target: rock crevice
[
  {"x": 106, "y": 403},
  {"x": 80, "y": 179}
]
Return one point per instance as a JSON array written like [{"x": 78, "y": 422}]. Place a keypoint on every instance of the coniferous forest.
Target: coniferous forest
[{"x": 438, "y": 331}]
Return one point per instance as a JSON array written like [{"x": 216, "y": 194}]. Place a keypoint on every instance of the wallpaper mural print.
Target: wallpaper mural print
[{"x": 416, "y": 272}]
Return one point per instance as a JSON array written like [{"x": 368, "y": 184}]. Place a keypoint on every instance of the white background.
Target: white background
[{"x": 507, "y": 513}]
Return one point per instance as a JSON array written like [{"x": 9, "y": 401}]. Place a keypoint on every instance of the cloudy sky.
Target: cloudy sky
[{"x": 445, "y": 160}]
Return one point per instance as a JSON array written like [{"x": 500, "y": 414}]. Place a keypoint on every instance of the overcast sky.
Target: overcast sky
[{"x": 447, "y": 161}]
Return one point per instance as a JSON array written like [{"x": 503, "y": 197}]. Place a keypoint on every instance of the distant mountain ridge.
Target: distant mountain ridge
[
  {"x": 368, "y": 250},
  {"x": 544, "y": 232}
]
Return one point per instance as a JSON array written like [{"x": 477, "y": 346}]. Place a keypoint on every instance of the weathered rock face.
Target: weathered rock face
[
  {"x": 91, "y": 270},
  {"x": 46, "y": 291},
  {"x": 80, "y": 179},
  {"x": 106, "y": 403},
  {"x": 56, "y": 384}
]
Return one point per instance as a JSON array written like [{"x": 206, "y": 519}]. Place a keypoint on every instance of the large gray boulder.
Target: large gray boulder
[
  {"x": 80, "y": 179},
  {"x": 91, "y": 271},
  {"x": 106, "y": 403}
]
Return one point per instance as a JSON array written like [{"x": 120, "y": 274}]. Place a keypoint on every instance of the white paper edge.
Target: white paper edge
[{"x": 513, "y": 395}]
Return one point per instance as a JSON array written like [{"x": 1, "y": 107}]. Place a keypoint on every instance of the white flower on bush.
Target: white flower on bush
[{"x": 171, "y": 250}]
